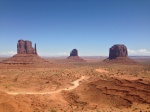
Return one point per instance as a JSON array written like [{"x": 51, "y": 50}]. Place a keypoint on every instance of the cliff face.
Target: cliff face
[
  {"x": 26, "y": 54},
  {"x": 118, "y": 50},
  {"x": 118, "y": 54},
  {"x": 25, "y": 47},
  {"x": 74, "y": 52},
  {"x": 74, "y": 56}
]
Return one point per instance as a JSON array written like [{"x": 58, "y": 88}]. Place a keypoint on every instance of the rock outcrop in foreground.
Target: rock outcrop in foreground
[
  {"x": 26, "y": 54},
  {"x": 74, "y": 56},
  {"x": 118, "y": 54}
]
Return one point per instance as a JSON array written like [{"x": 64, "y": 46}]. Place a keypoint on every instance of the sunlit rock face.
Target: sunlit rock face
[
  {"x": 118, "y": 50},
  {"x": 25, "y": 47}
]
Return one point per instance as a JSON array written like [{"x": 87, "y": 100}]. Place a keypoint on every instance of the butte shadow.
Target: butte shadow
[
  {"x": 26, "y": 54},
  {"x": 118, "y": 53}
]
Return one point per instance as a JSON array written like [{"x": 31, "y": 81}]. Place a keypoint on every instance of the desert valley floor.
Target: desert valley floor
[{"x": 64, "y": 86}]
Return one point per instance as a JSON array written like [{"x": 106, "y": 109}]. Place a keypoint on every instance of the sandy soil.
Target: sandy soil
[
  {"x": 75, "y": 86},
  {"x": 102, "y": 70}
]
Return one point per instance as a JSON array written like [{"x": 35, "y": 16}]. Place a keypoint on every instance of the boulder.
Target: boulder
[{"x": 118, "y": 50}]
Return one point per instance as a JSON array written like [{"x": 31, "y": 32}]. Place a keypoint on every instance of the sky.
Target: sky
[{"x": 91, "y": 26}]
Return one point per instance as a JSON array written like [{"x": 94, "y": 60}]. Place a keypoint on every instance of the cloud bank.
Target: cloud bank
[
  {"x": 140, "y": 52},
  {"x": 143, "y": 52},
  {"x": 54, "y": 54},
  {"x": 9, "y": 53}
]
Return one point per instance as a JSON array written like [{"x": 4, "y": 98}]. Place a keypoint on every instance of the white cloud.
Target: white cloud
[
  {"x": 132, "y": 51},
  {"x": 9, "y": 53},
  {"x": 62, "y": 53},
  {"x": 139, "y": 52},
  {"x": 54, "y": 54},
  {"x": 144, "y": 51}
]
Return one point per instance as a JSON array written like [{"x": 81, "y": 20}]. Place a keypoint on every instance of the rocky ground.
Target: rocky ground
[{"x": 62, "y": 86}]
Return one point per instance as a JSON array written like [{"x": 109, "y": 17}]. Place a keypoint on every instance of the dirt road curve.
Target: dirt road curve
[{"x": 75, "y": 85}]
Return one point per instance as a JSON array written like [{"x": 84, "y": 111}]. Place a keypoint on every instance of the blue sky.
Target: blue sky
[{"x": 91, "y": 26}]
